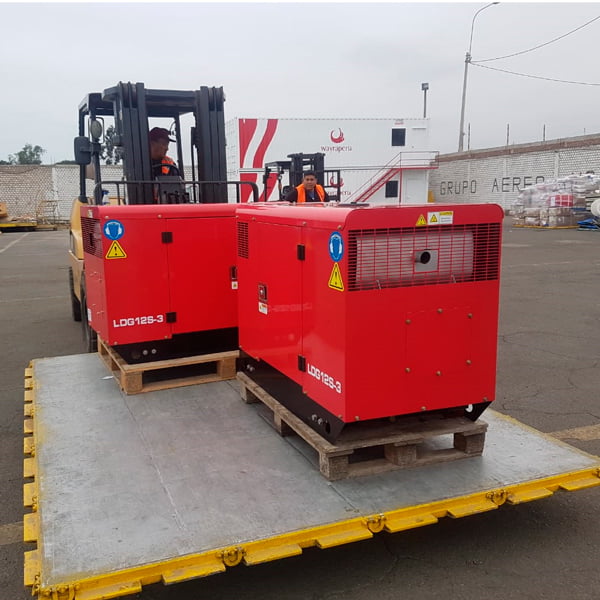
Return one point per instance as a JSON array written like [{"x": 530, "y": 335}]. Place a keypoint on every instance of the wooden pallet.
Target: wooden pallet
[
  {"x": 165, "y": 374},
  {"x": 374, "y": 447}
]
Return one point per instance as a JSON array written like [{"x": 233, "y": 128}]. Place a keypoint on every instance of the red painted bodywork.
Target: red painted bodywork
[
  {"x": 129, "y": 298},
  {"x": 396, "y": 340}
]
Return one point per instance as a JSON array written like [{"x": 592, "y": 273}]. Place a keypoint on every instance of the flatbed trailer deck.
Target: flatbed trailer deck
[
  {"x": 124, "y": 491},
  {"x": 18, "y": 226}
]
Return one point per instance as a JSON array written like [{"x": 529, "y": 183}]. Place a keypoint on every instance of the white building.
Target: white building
[{"x": 382, "y": 161}]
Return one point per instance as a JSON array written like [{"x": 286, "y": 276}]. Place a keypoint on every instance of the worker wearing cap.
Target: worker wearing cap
[
  {"x": 308, "y": 191},
  {"x": 159, "y": 145}
]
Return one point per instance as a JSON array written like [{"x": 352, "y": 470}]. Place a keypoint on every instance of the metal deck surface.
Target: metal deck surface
[{"x": 123, "y": 482}]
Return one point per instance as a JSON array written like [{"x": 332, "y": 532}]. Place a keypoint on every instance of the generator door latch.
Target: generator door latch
[
  {"x": 233, "y": 277},
  {"x": 171, "y": 317},
  {"x": 167, "y": 237},
  {"x": 301, "y": 363},
  {"x": 262, "y": 292},
  {"x": 301, "y": 251}
]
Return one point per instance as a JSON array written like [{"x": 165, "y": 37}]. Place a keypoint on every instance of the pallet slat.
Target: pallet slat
[{"x": 406, "y": 442}]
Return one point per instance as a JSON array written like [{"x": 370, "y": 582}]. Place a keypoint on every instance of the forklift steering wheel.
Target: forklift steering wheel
[{"x": 172, "y": 169}]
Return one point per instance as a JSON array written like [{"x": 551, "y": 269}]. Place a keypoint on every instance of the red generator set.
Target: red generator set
[
  {"x": 161, "y": 279},
  {"x": 351, "y": 314}
]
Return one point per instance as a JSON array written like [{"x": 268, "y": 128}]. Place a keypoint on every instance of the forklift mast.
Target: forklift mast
[
  {"x": 132, "y": 105},
  {"x": 306, "y": 162}
]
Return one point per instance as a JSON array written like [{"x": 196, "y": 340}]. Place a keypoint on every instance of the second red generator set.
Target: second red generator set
[
  {"x": 350, "y": 314},
  {"x": 161, "y": 279}
]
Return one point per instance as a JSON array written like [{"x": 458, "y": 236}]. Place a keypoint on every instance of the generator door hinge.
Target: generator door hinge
[
  {"x": 301, "y": 250},
  {"x": 171, "y": 317},
  {"x": 167, "y": 237},
  {"x": 301, "y": 363}
]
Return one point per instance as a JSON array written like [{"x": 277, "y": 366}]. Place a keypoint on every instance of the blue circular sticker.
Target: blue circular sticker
[
  {"x": 336, "y": 246},
  {"x": 113, "y": 230}
]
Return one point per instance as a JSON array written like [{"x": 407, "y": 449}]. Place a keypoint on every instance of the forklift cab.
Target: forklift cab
[
  {"x": 134, "y": 109},
  {"x": 294, "y": 168}
]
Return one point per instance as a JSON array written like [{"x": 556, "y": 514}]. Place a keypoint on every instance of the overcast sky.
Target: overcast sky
[{"x": 284, "y": 59}]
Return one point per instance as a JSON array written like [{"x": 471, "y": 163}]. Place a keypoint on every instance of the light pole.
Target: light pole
[
  {"x": 424, "y": 87},
  {"x": 461, "y": 133}
]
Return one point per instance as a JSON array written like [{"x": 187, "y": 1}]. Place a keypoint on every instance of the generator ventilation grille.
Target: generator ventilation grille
[
  {"x": 403, "y": 257},
  {"x": 242, "y": 238},
  {"x": 91, "y": 236}
]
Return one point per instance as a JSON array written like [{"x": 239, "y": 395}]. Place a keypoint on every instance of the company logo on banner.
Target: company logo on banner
[
  {"x": 332, "y": 182},
  {"x": 337, "y": 137}
]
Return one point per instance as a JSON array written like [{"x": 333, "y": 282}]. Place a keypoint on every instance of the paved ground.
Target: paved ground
[{"x": 548, "y": 377}]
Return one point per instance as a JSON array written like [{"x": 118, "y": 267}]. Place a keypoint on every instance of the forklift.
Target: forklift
[
  {"x": 131, "y": 107},
  {"x": 330, "y": 179}
]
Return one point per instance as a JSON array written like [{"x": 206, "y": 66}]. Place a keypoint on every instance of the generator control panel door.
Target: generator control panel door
[
  {"x": 201, "y": 254},
  {"x": 271, "y": 295},
  {"x": 135, "y": 279}
]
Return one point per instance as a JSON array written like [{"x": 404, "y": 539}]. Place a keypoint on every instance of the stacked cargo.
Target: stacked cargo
[{"x": 560, "y": 202}]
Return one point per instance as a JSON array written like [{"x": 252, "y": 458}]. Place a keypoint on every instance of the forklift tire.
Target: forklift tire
[
  {"x": 89, "y": 335},
  {"x": 75, "y": 304}
]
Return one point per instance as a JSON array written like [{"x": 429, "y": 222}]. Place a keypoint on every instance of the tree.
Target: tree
[
  {"x": 29, "y": 155},
  {"x": 110, "y": 153}
]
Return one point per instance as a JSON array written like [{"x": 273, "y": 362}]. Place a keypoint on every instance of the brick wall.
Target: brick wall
[{"x": 499, "y": 174}]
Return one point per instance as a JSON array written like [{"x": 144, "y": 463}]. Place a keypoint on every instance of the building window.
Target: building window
[
  {"x": 398, "y": 137},
  {"x": 391, "y": 189}
]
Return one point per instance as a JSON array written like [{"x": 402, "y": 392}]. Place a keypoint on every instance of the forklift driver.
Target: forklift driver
[
  {"x": 159, "y": 144},
  {"x": 308, "y": 191}
]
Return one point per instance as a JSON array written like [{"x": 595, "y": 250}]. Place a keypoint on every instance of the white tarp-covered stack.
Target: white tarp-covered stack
[{"x": 558, "y": 202}]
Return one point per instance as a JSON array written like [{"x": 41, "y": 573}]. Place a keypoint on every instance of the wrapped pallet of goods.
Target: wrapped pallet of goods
[{"x": 554, "y": 203}]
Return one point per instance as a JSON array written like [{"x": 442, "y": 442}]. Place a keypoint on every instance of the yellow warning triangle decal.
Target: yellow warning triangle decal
[
  {"x": 421, "y": 221},
  {"x": 433, "y": 219},
  {"x": 335, "y": 280},
  {"x": 115, "y": 251}
]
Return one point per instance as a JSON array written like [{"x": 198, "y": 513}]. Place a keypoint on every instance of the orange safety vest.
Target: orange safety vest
[
  {"x": 302, "y": 193},
  {"x": 166, "y": 161},
  {"x": 164, "y": 170}
]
